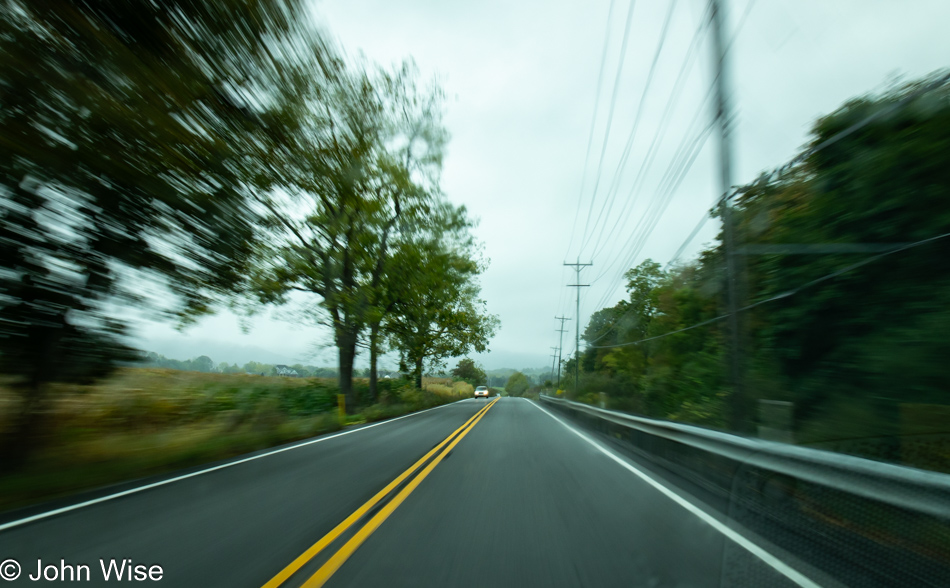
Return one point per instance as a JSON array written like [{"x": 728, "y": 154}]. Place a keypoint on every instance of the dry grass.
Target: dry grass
[{"x": 142, "y": 422}]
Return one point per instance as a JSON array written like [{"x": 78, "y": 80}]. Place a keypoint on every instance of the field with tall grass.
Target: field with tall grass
[{"x": 147, "y": 421}]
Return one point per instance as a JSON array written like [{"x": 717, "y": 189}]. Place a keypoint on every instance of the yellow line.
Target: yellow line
[
  {"x": 369, "y": 504},
  {"x": 339, "y": 558}
]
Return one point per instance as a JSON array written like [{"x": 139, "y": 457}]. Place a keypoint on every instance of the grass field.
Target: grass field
[{"x": 144, "y": 421}]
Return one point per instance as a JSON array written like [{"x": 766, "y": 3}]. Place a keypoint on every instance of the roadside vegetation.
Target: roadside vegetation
[
  {"x": 145, "y": 421},
  {"x": 844, "y": 294},
  {"x": 183, "y": 157}
]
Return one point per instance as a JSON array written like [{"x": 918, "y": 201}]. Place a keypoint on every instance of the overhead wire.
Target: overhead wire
[
  {"x": 673, "y": 178},
  {"x": 779, "y": 172},
  {"x": 593, "y": 121},
  {"x": 698, "y": 227},
  {"x": 688, "y": 144},
  {"x": 703, "y": 27},
  {"x": 787, "y": 293},
  {"x": 650, "y": 157},
  {"x": 653, "y": 216},
  {"x": 611, "y": 193},
  {"x": 610, "y": 116}
]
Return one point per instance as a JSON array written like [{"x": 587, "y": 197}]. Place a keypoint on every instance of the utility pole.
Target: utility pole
[
  {"x": 554, "y": 359},
  {"x": 577, "y": 324},
  {"x": 560, "y": 346},
  {"x": 739, "y": 409}
]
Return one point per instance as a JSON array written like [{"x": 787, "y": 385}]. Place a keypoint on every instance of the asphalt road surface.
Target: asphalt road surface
[{"x": 496, "y": 492}]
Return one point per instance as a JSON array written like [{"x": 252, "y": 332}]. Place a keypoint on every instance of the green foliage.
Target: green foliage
[
  {"x": 364, "y": 175},
  {"x": 853, "y": 347},
  {"x": 131, "y": 132},
  {"x": 145, "y": 421},
  {"x": 469, "y": 371},
  {"x": 517, "y": 384},
  {"x": 436, "y": 313}
]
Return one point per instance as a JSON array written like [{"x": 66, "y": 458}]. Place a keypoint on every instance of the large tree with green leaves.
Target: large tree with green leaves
[
  {"x": 517, "y": 384},
  {"x": 130, "y": 133},
  {"x": 438, "y": 314},
  {"x": 469, "y": 371},
  {"x": 366, "y": 176},
  {"x": 873, "y": 336},
  {"x": 846, "y": 285}
]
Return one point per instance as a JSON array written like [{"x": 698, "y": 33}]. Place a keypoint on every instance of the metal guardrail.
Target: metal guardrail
[
  {"x": 863, "y": 522},
  {"x": 903, "y": 487}
]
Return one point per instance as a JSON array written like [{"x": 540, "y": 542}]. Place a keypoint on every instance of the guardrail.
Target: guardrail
[{"x": 873, "y": 523}]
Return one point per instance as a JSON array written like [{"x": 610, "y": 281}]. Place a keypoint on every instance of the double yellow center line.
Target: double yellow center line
[{"x": 348, "y": 548}]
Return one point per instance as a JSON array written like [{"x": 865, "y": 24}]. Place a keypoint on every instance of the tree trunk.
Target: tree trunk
[
  {"x": 22, "y": 436},
  {"x": 346, "y": 343},
  {"x": 373, "y": 352},
  {"x": 418, "y": 373}
]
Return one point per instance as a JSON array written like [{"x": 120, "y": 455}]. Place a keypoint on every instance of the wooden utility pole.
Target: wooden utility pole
[
  {"x": 739, "y": 413},
  {"x": 577, "y": 324},
  {"x": 560, "y": 347}
]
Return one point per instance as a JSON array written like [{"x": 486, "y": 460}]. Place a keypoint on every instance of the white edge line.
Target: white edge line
[
  {"x": 744, "y": 542},
  {"x": 58, "y": 511}
]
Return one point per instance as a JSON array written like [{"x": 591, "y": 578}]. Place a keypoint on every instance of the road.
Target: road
[{"x": 517, "y": 497}]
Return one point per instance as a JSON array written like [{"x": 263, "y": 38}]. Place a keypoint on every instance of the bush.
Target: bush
[
  {"x": 312, "y": 399},
  {"x": 517, "y": 384}
]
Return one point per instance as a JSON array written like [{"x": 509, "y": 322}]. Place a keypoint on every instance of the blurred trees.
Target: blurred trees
[
  {"x": 175, "y": 156},
  {"x": 130, "y": 135},
  {"x": 469, "y": 371},
  {"x": 851, "y": 325},
  {"x": 361, "y": 197},
  {"x": 517, "y": 384},
  {"x": 874, "y": 337}
]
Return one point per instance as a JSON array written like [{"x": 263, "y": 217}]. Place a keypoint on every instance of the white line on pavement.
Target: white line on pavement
[{"x": 743, "y": 541}]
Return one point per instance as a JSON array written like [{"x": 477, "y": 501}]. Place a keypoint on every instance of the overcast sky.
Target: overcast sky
[{"x": 522, "y": 79}]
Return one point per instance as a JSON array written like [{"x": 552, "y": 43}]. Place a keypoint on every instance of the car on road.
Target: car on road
[{"x": 481, "y": 392}]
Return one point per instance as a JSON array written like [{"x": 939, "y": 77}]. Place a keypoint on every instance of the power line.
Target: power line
[
  {"x": 577, "y": 325},
  {"x": 702, "y": 27},
  {"x": 682, "y": 162},
  {"x": 610, "y": 115},
  {"x": 639, "y": 247},
  {"x": 560, "y": 344},
  {"x": 787, "y": 293},
  {"x": 785, "y": 168},
  {"x": 636, "y": 120},
  {"x": 604, "y": 237},
  {"x": 593, "y": 121},
  {"x": 673, "y": 178}
]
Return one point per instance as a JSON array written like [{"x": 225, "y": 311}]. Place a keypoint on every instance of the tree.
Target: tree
[
  {"x": 437, "y": 314},
  {"x": 255, "y": 367},
  {"x": 874, "y": 336},
  {"x": 468, "y": 371},
  {"x": 837, "y": 327},
  {"x": 517, "y": 384},
  {"x": 131, "y": 132},
  {"x": 202, "y": 363},
  {"x": 368, "y": 176}
]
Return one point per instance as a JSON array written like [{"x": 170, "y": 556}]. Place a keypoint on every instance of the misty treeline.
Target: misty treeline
[
  {"x": 206, "y": 364},
  {"x": 174, "y": 157},
  {"x": 846, "y": 251}
]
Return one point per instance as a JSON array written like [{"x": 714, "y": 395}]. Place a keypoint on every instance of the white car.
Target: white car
[{"x": 481, "y": 392}]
